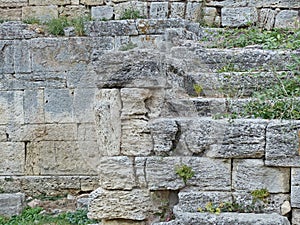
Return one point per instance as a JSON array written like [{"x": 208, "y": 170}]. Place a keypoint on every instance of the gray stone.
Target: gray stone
[
  {"x": 116, "y": 173},
  {"x": 193, "y": 11},
  {"x": 251, "y": 174},
  {"x": 296, "y": 217},
  {"x": 295, "y": 187},
  {"x": 11, "y": 204},
  {"x": 285, "y": 208},
  {"x": 108, "y": 121},
  {"x": 121, "y": 7},
  {"x": 256, "y": 3},
  {"x": 159, "y": 26},
  {"x": 11, "y": 107},
  {"x": 7, "y": 57},
  {"x": 227, "y": 219},
  {"x": 69, "y": 32},
  {"x": 287, "y": 19},
  {"x": 102, "y": 12},
  {"x": 34, "y": 106},
  {"x": 267, "y": 18},
  {"x": 158, "y": 10},
  {"x": 13, "y": 158},
  {"x": 282, "y": 143},
  {"x": 22, "y": 57},
  {"x": 15, "y": 30},
  {"x": 238, "y": 17},
  {"x": 84, "y": 105},
  {"x": 177, "y": 10}
]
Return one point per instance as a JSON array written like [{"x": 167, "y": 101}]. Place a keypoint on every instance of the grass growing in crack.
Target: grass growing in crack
[
  {"x": 35, "y": 216},
  {"x": 184, "y": 172},
  {"x": 273, "y": 39},
  {"x": 131, "y": 13}
]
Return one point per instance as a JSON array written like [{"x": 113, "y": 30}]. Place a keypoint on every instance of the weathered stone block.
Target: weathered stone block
[
  {"x": 87, "y": 132},
  {"x": 251, "y": 174},
  {"x": 62, "y": 157},
  {"x": 283, "y": 144},
  {"x": 267, "y": 18},
  {"x": 34, "y": 106},
  {"x": 177, "y": 10},
  {"x": 13, "y": 158},
  {"x": 7, "y": 56},
  {"x": 158, "y": 10},
  {"x": 11, "y": 107},
  {"x": 58, "y": 105},
  {"x": 84, "y": 105},
  {"x": 158, "y": 26},
  {"x": 102, "y": 12},
  {"x": 256, "y": 3},
  {"x": 11, "y": 14},
  {"x": 43, "y": 13},
  {"x": 296, "y": 217},
  {"x": 11, "y": 204},
  {"x": 74, "y": 11},
  {"x": 13, "y": 3},
  {"x": 116, "y": 173},
  {"x": 122, "y": 205},
  {"x": 193, "y": 11},
  {"x": 240, "y": 16},
  {"x": 136, "y": 138},
  {"x": 49, "y": 2},
  {"x": 22, "y": 57},
  {"x": 120, "y": 8},
  {"x": 92, "y": 2},
  {"x": 287, "y": 19},
  {"x": 295, "y": 187},
  {"x": 108, "y": 121}
]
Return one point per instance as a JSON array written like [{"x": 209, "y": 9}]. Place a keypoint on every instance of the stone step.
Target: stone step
[{"x": 227, "y": 219}]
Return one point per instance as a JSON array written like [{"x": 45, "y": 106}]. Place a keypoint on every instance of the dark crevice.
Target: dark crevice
[{"x": 177, "y": 137}]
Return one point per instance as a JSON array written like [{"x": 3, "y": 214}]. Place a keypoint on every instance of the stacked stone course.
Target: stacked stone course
[{"x": 226, "y": 13}]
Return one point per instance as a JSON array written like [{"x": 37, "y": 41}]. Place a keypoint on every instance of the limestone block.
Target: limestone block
[
  {"x": 102, "y": 12},
  {"x": 124, "y": 222},
  {"x": 210, "y": 174},
  {"x": 111, "y": 28},
  {"x": 74, "y": 11},
  {"x": 147, "y": 41},
  {"x": 158, "y": 26},
  {"x": 84, "y": 105},
  {"x": 11, "y": 107},
  {"x": 81, "y": 79},
  {"x": 11, "y": 184},
  {"x": 122, "y": 205},
  {"x": 11, "y": 204},
  {"x": 160, "y": 173},
  {"x": 92, "y": 2},
  {"x": 116, "y": 173},
  {"x": 62, "y": 157},
  {"x": 13, "y": 158},
  {"x": 256, "y": 3},
  {"x": 43, "y": 13},
  {"x": 7, "y": 56},
  {"x": 136, "y": 138},
  {"x": 120, "y": 8},
  {"x": 295, "y": 188},
  {"x": 191, "y": 201},
  {"x": 251, "y": 174},
  {"x": 287, "y": 19},
  {"x": 13, "y": 3},
  {"x": 11, "y": 14},
  {"x": 267, "y": 18},
  {"x": 88, "y": 183},
  {"x": 34, "y": 106},
  {"x": 283, "y": 146},
  {"x": 87, "y": 132},
  {"x": 164, "y": 136},
  {"x": 240, "y": 16},
  {"x": 75, "y": 2},
  {"x": 177, "y": 10},
  {"x": 49, "y": 2},
  {"x": 140, "y": 175},
  {"x": 296, "y": 217},
  {"x": 193, "y": 11},
  {"x": 158, "y": 10},
  {"x": 3, "y": 133},
  {"x": 58, "y": 105},
  {"x": 22, "y": 57},
  {"x": 108, "y": 121}
]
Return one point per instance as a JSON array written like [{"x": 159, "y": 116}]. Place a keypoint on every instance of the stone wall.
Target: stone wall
[{"x": 225, "y": 13}]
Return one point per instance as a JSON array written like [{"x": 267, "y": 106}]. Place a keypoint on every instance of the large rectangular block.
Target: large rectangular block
[
  {"x": 13, "y": 3},
  {"x": 34, "y": 106},
  {"x": 11, "y": 107},
  {"x": 43, "y": 13},
  {"x": 49, "y": 2},
  {"x": 62, "y": 157},
  {"x": 22, "y": 57},
  {"x": 84, "y": 105},
  {"x": 159, "y": 10},
  {"x": 11, "y": 204},
  {"x": 74, "y": 11},
  {"x": 7, "y": 56},
  {"x": 283, "y": 144},
  {"x": 11, "y": 14},
  {"x": 251, "y": 174},
  {"x": 240, "y": 16},
  {"x": 256, "y": 3},
  {"x": 12, "y": 158}
]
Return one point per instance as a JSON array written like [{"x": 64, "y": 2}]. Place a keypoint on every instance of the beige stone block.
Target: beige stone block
[
  {"x": 123, "y": 222},
  {"x": 49, "y": 2},
  {"x": 12, "y": 158},
  {"x": 13, "y": 3},
  {"x": 11, "y": 107},
  {"x": 75, "y": 2},
  {"x": 43, "y": 13},
  {"x": 74, "y": 11},
  {"x": 92, "y": 2},
  {"x": 86, "y": 132},
  {"x": 11, "y": 14},
  {"x": 108, "y": 122}
]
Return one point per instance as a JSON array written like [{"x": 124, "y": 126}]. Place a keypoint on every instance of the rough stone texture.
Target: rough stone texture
[
  {"x": 11, "y": 14},
  {"x": 193, "y": 11},
  {"x": 102, "y": 12},
  {"x": 296, "y": 217},
  {"x": 49, "y": 2},
  {"x": 227, "y": 219},
  {"x": 11, "y": 204},
  {"x": 283, "y": 144},
  {"x": 13, "y": 158},
  {"x": 13, "y": 3},
  {"x": 267, "y": 18},
  {"x": 250, "y": 174},
  {"x": 92, "y": 2},
  {"x": 295, "y": 188},
  {"x": 287, "y": 19},
  {"x": 43, "y": 13},
  {"x": 74, "y": 11},
  {"x": 120, "y": 8},
  {"x": 177, "y": 10},
  {"x": 159, "y": 10},
  {"x": 238, "y": 17},
  {"x": 122, "y": 204},
  {"x": 256, "y": 3},
  {"x": 108, "y": 122}
]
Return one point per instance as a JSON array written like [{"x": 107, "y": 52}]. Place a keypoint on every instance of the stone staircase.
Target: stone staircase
[{"x": 166, "y": 124}]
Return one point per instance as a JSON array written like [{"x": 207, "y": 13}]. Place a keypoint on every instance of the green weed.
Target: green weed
[
  {"x": 56, "y": 26},
  {"x": 184, "y": 172},
  {"x": 131, "y": 13},
  {"x": 198, "y": 89}
]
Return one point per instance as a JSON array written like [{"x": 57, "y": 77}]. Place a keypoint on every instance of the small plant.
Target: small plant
[
  {"x": 56, "y": 26},
  {"x": 260, "y": 194},
  {"x": 198, "y": 89},
  {"x": 78, "y": 25},
  {"x": 184, "y": 172},
  {"x": 32, "y": 20},
  {"x": 131, "y": 13}
]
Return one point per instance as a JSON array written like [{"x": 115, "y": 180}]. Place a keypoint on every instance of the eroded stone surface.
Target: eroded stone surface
[{"x": 11, "y": 204}]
